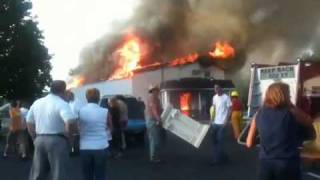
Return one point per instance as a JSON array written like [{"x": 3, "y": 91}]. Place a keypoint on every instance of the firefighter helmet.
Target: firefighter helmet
[{"x": 234, "y": 93}]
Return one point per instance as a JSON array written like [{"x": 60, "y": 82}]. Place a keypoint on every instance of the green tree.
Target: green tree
[{"x": 24, "y": 60}]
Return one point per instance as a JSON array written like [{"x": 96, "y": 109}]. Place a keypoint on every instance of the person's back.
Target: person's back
[
  {"x": 48, "y": 112},
  {"x": 123, "y": 112},
  {"x": 281, "y": 127},
  {"x": 94, "y": 132},
  {"x": 279, "y": 133},
  {"x": 115, "y": 117},
  {"x": 93, "y": 126},
  {"x": 15, "y": 117},
  {"x": 49, "y": 120},
  {"x": 153, "y": 105}
]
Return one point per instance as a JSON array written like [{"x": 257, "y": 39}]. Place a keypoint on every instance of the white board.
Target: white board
[
  {"x": 184, "y": 127},
  {"x": 287, "y": 74}
]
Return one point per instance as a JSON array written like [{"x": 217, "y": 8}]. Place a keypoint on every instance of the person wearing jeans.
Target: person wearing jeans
[
  {"x": 218, "y": 133},
  {"x": 94, "y": 127},
  {"x": 94, "y": 164},
  {"x": 154, "y": 126},
  {"x": 154, "y": 135},
  {"x": 222, "y": 105}
]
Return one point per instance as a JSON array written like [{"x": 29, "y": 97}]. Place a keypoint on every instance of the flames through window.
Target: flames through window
[{"x": 185, "y": 102}]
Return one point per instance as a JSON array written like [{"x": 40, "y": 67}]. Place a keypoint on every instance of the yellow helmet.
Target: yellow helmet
[{"x": 234, "y": 93}]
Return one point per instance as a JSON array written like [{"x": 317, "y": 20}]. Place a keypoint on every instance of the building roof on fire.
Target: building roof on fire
[{"x": 195, "y": 83}]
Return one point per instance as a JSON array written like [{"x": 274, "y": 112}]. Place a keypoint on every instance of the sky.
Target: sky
[{"x": 69, "y": 25}]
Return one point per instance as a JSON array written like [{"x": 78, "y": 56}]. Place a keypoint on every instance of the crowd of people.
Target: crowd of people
[{"x": 55, "y": 122}]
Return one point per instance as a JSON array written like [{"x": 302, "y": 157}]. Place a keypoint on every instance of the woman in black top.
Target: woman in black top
[{"x": 280, "y": 126}]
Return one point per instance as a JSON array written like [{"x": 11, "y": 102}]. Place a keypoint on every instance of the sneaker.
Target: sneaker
[
  {"x": 215, "y": 163},
  {"x": 118, "y": 155},
  {"x": 155, "y": 161},
  {"x": 23, "y": 156}
]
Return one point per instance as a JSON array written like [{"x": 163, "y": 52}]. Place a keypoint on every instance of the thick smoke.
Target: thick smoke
[
  {"x": 281, "y": 31},
  {"x": 263, "y": 31}
]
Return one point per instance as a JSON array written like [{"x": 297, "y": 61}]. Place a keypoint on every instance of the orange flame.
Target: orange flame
[
  {"x": 222, "y": 50},
  {"x": 185, "y": 101},
  {"x": 75, "y": 82},
  {"x": 191, "y": 58},
  {"x": 129, "y": 55},
  {"x": 128, "y": 59}
]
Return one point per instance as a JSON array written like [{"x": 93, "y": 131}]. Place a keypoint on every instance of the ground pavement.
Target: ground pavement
[{"x": 182, "y": 162}]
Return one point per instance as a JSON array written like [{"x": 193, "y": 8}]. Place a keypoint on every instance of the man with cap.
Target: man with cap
[
  {"x": 154, "y": 127},
  {"x": 50, "y": 120}
]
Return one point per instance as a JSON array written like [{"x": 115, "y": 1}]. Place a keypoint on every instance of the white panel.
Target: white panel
[
  {"x": 291, "y": 81},
  {"x": 183, "y": 126},
  {"x": 123, "y": 86}
]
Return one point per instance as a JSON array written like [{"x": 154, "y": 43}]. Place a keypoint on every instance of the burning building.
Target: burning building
[
  {"x": 170, "y": 77},
  {"x": 132, "y": 77},
  {"x": 176, "y": 39}
]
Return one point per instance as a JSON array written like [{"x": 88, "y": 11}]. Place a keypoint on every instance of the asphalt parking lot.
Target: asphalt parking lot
[{"x": 182, "y": 161}]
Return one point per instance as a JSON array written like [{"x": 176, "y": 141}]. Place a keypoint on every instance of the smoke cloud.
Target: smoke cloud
[{"x": 262, "y": 31}]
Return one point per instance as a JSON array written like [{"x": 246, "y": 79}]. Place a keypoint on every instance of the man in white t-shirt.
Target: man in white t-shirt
[
  {"x": 49, "y": 122},
  {"x": 222, "y": 105}
]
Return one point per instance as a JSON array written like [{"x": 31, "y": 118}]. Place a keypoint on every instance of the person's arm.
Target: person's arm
[
  {"x": 241, "y": 105},
  {"x": 109, "y": 122},
  {"x": 229, "y": 105},
  {"x": 71, "y": 128},
  {"x": 228, "y": 114},
  {"x": 31, "y": 130},
  {"x": 31, "y": 123},
  {"x": 70, "y": 120},
  {"x": 10, "y": 113},
  {"x": 213, "y": 106},
  {"x": 252, "y": 133},
  {"x": 302, "y": 118}
]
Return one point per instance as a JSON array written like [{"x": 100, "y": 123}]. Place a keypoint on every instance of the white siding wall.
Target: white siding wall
[
  {"x": 123, "y": 86},
  {"x": 138, "y": 85},
  {"x": 141, "y": 82}
]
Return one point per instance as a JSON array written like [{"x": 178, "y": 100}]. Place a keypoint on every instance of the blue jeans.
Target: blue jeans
[
  {"x": 280, "y": 169},
  {"x": 218, "y": 134},
  {"x": 94, "y": 164},
  {"x": 155, "y": 138}
]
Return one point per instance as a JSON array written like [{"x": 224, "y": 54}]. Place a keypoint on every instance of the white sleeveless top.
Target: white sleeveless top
[{"x": 93, "y": 127}]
